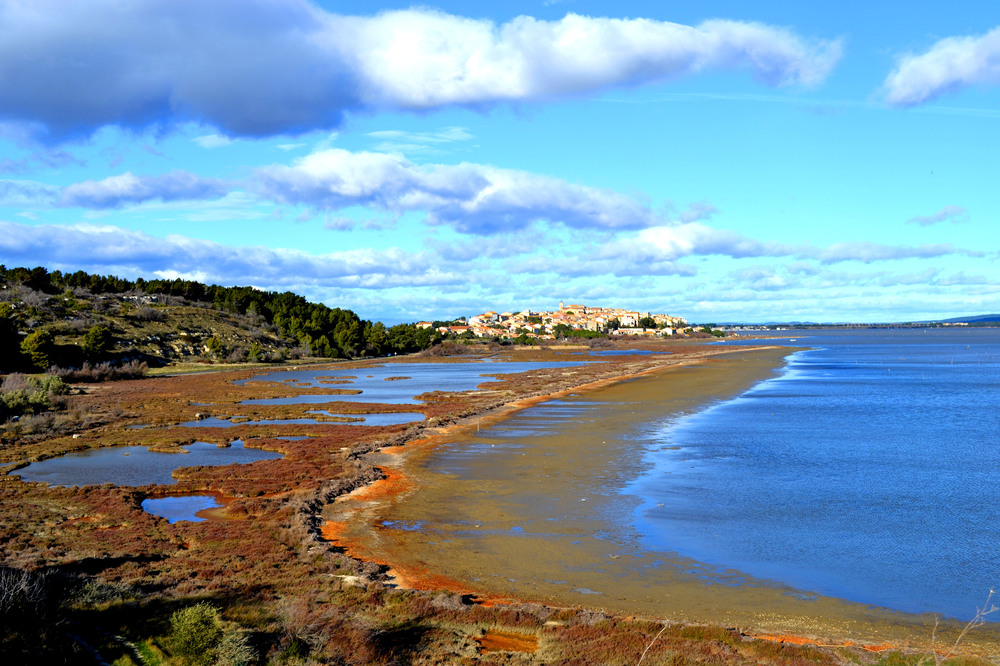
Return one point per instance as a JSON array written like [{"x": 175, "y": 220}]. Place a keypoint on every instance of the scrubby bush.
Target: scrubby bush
[
  {"x": 195, "y": 631},
  {"x": 234, "y": 649},
  {"x": 22, "y": 394},
  {"x": 101, "y": 372},
  {"x": 146, "y": 313}
]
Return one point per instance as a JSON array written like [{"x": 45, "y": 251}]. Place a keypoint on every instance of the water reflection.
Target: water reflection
[
  {"x": 184, "y": 507},
  {"x": 135, "y": 465},
  {"x": 397, "y": 383},
  {"x": 385, "y": 419}
]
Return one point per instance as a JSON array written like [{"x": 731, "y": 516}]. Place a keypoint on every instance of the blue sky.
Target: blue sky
[{"x": 721, "y": 161}]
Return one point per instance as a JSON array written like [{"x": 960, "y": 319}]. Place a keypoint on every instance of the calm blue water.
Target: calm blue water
[
  {"x": 867, "y": 470},
  {"x": 395, "y": 383},
  {"x": 135, "y": 465},
  {"x": 177, "y": 508},
  {"x": 384, "y": 419}
]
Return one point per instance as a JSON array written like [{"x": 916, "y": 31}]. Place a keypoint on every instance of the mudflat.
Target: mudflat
[{"x": 521, "y": 506}]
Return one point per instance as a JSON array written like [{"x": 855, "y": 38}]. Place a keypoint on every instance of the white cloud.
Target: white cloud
[
  {"x": 669, "y": 243},
  {"x": 265, "y": 67},
  {"x": 212, "y": 141},
  {"x": 947, "y": 214},
  {"x": 949, "y": 65},
  {"x": 424, "y": 59},
  {"x": 399, "y": 141},
  {"x": 111, "y": 249},
  {"x": 672, "y": 242},
  {"x": 472, "y": 198},
  {"x": 127, "y": 188}
]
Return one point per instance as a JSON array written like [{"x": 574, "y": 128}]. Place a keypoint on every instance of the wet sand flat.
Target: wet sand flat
[{"x": 531, "y": 508}]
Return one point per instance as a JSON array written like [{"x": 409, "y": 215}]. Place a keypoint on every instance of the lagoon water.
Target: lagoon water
[
  {"x": 135, "y": 465},
  {"x": 867, "y": 470},
  {"x": 394, "y": 383},
  {"x": 180, "y": 507},
  {"x": 383, "y": 419}
]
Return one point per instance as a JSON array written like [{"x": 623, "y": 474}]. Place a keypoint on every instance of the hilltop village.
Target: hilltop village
[{"x": 548, "y": 325}]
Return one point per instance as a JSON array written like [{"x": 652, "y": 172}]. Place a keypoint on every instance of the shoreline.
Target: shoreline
[
  {"x": 410, "y": 537},
  {"x": 393, "y": 460}
]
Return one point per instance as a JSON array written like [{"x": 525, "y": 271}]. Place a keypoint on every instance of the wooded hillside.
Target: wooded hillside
[{"x": 67, "y": 319}]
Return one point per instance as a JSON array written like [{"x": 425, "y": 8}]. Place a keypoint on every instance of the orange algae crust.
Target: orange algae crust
[
  {"x": 507, "y": 641},
  {"x": 802, "y": 640}
]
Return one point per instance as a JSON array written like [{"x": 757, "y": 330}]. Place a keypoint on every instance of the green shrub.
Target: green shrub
[
  {"x": 194, "y": 633},
  {"x": 38, "y": 347},
  {"x": 50, "y": 384},
  {"x": 98, "y": 341}
]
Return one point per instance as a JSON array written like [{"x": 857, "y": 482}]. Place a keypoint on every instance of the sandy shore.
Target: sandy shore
[{"x": 511, "y": 507}]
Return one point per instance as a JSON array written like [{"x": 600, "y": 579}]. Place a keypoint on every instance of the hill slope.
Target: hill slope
[{"x": 51, "y": 318}]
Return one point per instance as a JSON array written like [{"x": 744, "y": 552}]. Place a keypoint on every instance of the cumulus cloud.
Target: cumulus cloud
[
  {"x": 127, "y": 188},
  {"x": 472, "y": 198},
  {"x": 105, "y": 248},
  {"x": 946, "y": 214},
  {"x": 264, "y": 67},
  {"x": 675, "y": 241},
  {"x": 423, "y": 59},
  {"x": 949, "y": 65},
  {"x": 672, "y": 242}
]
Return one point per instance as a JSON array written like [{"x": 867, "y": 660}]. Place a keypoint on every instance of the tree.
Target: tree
[
  {"x": 98, "y": 341},
  {"x": 376, "y": 339},
  {"x": 38, "y": 347},
  {"x": 525, "y": 339}
]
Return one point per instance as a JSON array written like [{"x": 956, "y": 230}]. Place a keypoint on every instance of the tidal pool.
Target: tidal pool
[
  {"x": 397, "y": 383},
  {"x": 135, "y": 465},
  {"x": 182, "y": 507},
  {"x": 384, "y": 419}
]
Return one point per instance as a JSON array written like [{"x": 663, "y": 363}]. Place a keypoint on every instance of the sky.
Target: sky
[{"x": 719, "y": 161}]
